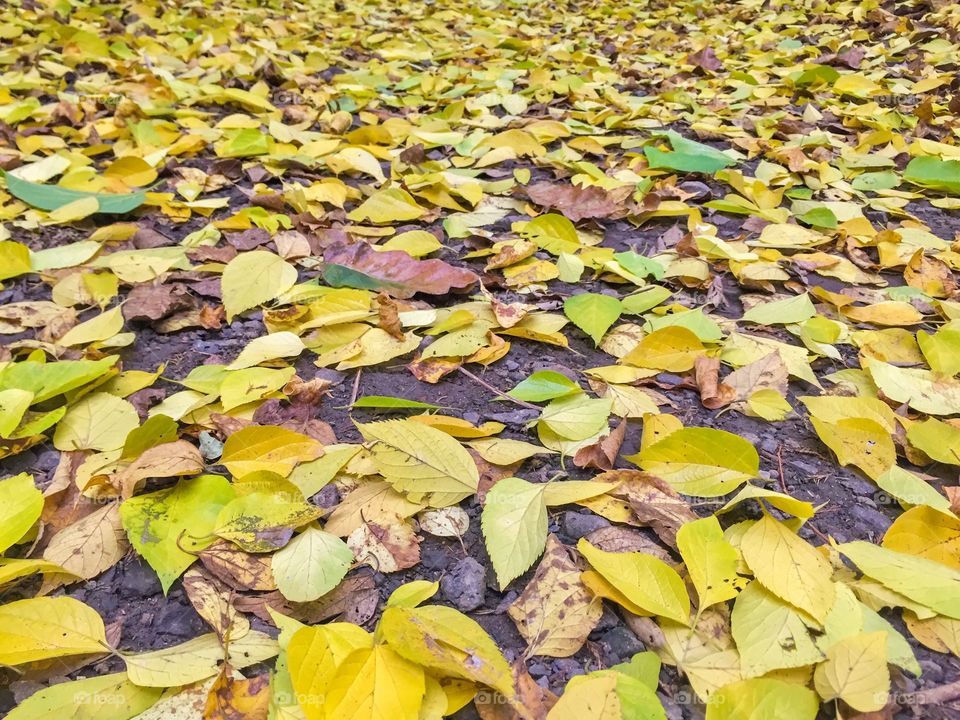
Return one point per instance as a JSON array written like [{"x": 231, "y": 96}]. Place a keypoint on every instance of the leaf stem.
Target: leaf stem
[{"x": 492, "y": 389}]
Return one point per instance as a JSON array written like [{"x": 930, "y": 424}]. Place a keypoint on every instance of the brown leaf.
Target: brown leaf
[
  {"x": 603, "y": 453},
  {"x": 615, "y": 538},
  {"x": 706, "y": 59},
  {"x": 238, "y": 569},
  {"x": 395, "y": 272},
  {"x": 389, "y": 312},
  {"x": 212, "y": 602},
  {"x": 353, "y": 600},
  {"x": 532, "y": 701},
  {"x": 555, "y": 612},
  {"x": 713, "y": 393},
  {"x": 238, "y": 698},
  {"x": 173, "y": 459},
  {"x": 579, "y": 203},
  {"x": 154, "y": 302},
  {"x": 652, "y": 500},
  {"x": 386, "y": 547}
]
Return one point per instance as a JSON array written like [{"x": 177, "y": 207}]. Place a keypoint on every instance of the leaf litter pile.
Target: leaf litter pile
[{"x": 501, "y": 359}]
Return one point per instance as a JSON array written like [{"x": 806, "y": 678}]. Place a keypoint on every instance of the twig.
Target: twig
[
  {"x": 783, "y": 480},
  {"x": 492, "y": 389},
  {"x": 356, "y": 386}
]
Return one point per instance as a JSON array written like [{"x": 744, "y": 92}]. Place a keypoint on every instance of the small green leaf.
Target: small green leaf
[
  {"x": 593, "y": 313},
  {"x": 389, "y": 402},
  {"x": 687, "y": 156},
  {"x": 544, "y": 385}
]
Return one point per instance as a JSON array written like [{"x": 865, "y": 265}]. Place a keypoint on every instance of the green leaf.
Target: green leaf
[
  {"x": 392, "y": 403},
  {"x": 47, "y": 380},
  {"x": 514, "y": 524},
  {"x": 51, "y": 197},
  {"x": 640, "y": 265},
  {"x": 311, "y": 565},
  {"x": 645, "y": 299},
  {"x": 576, "y": 417},
  {"x": 687, "y": 156},
  {"x": 593, "y": 313},
  {"x": 544, "y": 385},
  {"x": 934, "y": 173},
  {"x": 158, "y": 524}
]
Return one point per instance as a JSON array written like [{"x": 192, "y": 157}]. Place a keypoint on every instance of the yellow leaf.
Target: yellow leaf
[
  {"x": 673, "y": 348},
  {"x": 700, "y": 461},
  {"x": 93, "y": 698},
  {"x": 197, "y": 659},
  {"x": 103, "y": 326},
  {"x": 859, "y": 441},
  {"x": 100, "y": 421},
  {"x": 594, "y": 699},
  {"x": 645, "y": 580},
  {"x": 856, "y": 672},
  {"x": 253, "y": 278},
  {"x": 313, "y": 655},
  {"x": 921, "y": 389},
  {"x": 386, "y": 206},
  {"x": 20, "y": 506},
  {"x": 763, "y": 699},
  {"x": 269, "y": 347},
  {"x": 770, "y": 634},
  {"x": 76, "y": 210},
  {"x": 576, "y": 417},
  {"x": 924, "y": 581},
  {"x": 789, "y": 567},
  {"x": 927, "y": 533},
  {"x": 448, "y": 642},
  {"x": 421, "y": 461},
  {"x": 49, "y": 627},
  {"x": 267, "y": 447},
  {"x": 710, "y": 560},
  {"x": 374, "y": 683}
]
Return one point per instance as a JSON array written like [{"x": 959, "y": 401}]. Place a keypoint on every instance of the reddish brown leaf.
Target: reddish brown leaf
[
  {"x": 578, "y": 203},
  {"x": 392, "y": 271}
]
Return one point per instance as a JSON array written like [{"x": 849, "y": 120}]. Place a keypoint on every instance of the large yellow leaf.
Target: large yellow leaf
[
  {"x": 770, "y": 634},
  {"x": 700, "y": 461},
  {"x": 253, "y": 278},
  {"x": 763, "y": 699},
  {"x": 514, "y": 524},
  {"x": 421, "y": 461},
  {"x": 104, "y": 697},
  {"x": 921, "y": 389},
  {"x": 99, "y": 421},
  {"x": 197, "y": 659},
  {"x": 49, "y": 627},
  {"x": 447, "y": 641},
  {"x": 313, "y": 655},
  {"x": 267, "y": 447},
  {"x": 788, "y": 567},
  {"x": 711, "y": 561},
  {"x": 856, "y": 672},
  {"x": 20, "y": 506},
  {"x": 643, "y": 579},
  {"x": 924, "y": 581},
  {"x": 928, "y": 533},
  {"x": 375, "y": 684}
]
